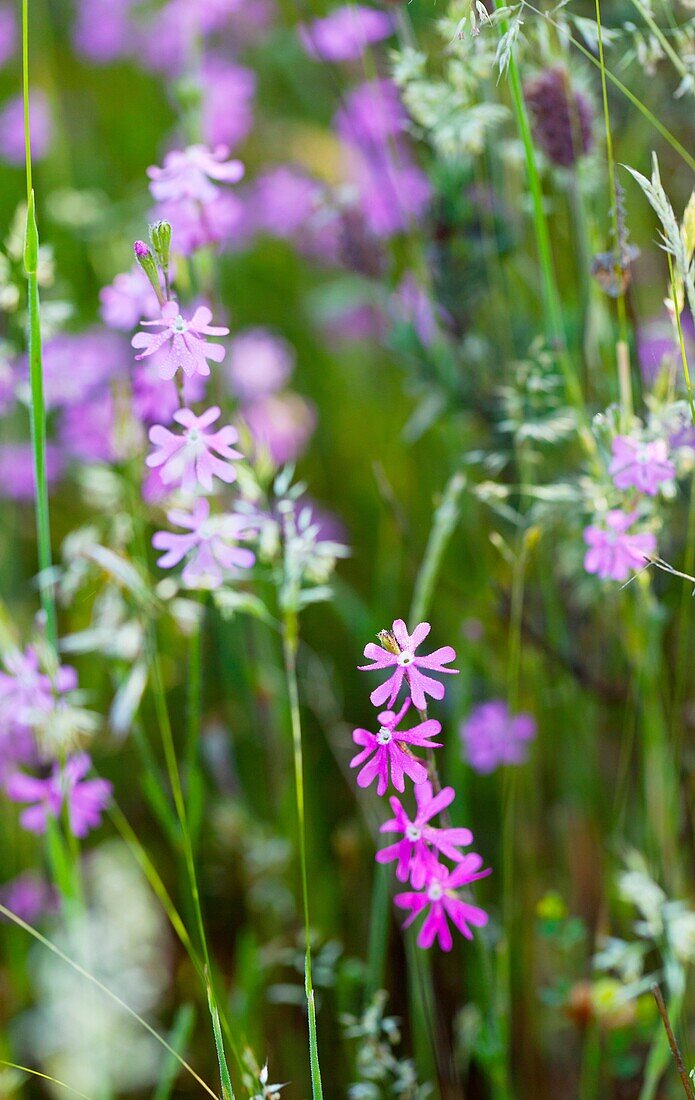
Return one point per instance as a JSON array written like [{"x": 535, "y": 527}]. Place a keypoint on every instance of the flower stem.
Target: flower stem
[
  {"x": 37, "y": 406},
  {"x": 290, "y": 645}
]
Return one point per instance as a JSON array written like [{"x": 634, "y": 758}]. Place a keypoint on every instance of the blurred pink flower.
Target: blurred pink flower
[
  {"x": 189, "y": 174},
  {"x": 443, "y": 901},
  {"x": 228, "y": 92},
  {"x": 417, "y": 851},
  {"x": 28, "y": 896},
  {"x": 210, "y": 548},
  {"x": 127, "y": 299},
  {"x": 86, "y": 799},
  {"x": 104, "y": 32},
  {"x": 282, "y": 201},
  {"x": 222, "y": 221},
  {"x": 17, "y": 469},
  {"x": 75, "y": 365},
  {"x": 155, "y": 401},
  {"x": 389, "y": 751},
  {"x": 344, "y": 34},
  {"x": 613, "y": 552},
  {"x": 407, "y": 666},
  {"x": 493, "y": 736},
  {"x": 12, "y": 128},
  {"x": 280, "y": 425},
  {"x": 188, "y": 352},
  {"x": 190, "y": 458},
  {"x": 640, "y": 465},
  {"x": 259, "y": 363},
  {"x": 8, "y": 33}
]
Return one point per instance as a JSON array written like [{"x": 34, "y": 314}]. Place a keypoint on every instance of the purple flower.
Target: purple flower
[
  {"x": 228, "y": 92},
  {"x": 17, "y": 469},
  {"x": 210, "y": 547},
  {"x": 416, "y": 858},
  {"x": 612, "y": 551},
  {"x": 492, "y": 736},
  {"x": 12, "y": 128},
  {"x": 402, "y": 658},
  {"x": 86, "y": 799},
  {"x": 392, "y": 191},
  {"x": 188, "y": 174},
  {"x": 129, "y": 298},
  {"x": 188, "y": 352},
  {"x": 194, "y": 225},
  {"x": 258, "y": 364},
  {"x": 562, "y": 116},
  {"x": 389, "y": 751},
  {"x": 443, "y": 901},
  {"x": 155, "y": 401},
  {"x": 77, "y": 364},
  {"x": 280, "y": 425},
  {"x": 640, "y": 465},
  {"x": 104, "y": 32},
  {"x": 28, "y": 896},
  {"x": 345, "y": 33},
  {"x": 8, "y": 33},
  {"x": 191, "y": 458},
  {"x": 371, "y": 114},
  {"x": 88, "y": 430},
  {"x": 282, "y": 201}
]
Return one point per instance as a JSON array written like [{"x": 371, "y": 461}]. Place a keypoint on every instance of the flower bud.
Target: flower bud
[
  {"x": 160, "y": 235},
  {"x": 149, "y": 265}
]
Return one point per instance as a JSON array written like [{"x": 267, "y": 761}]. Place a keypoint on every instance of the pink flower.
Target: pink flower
[
  {"x": 85, "y": 799},
  {"x": 127, "y": 299},
  {"x": 190, "y": 459},
  {"x": 388, "y": 749},
  {"x": 224, "y": 220},
  {"x": 281, "y": 425},
  {"x": 188, "y": 351},
  {"x": 210, "y": 548},
  {"x": 443, "y": 901},
  {"x": 407, "y": 666},
  {"x": 612, "y": 551},
  {"x": 259, "y": 363},
  {"x": 227, "y": 107},
  {"x": 415, "y": 855},
  {"x": 188, "y": 174},
  {"x": 493, "y": 736},
  {"x": 640, "y": 465},
  {"x": 155, "y": 401},
  {"x": 345, "y": 33}
]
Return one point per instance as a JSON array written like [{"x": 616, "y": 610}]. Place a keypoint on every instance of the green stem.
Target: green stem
[
  {"x": 37, "y": 408},
  {"x": 290, "y": 645}
]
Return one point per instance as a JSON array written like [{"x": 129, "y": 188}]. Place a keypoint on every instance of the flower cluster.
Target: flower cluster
[
  {"x": 640, "y": 466},
  {"x": 387, "y": 755}
]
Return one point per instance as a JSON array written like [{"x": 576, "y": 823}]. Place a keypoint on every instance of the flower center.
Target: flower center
[
  {"x": 643, "y": 456},
  {"x": 194, "y": 435},
  {"x": 413, "y": 833},
  {"x": 384, "y": 736},
  {"x": 179, "y": 324},
  {"x": 405, "y": 658},
  {"x": 435, "y": 892}
]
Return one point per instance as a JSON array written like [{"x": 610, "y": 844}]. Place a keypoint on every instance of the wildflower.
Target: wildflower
[
  {"x": 640, "y": 465},
  {"x": 443, "y": 901},
  {"x": 86, "y": 800},
  {"x": 227, "y": 107},
  {"x": 188, "y": 351},
  {"x": 389, "y": 750},
  {"x": 259, "y": 363},
  {"x": 562, "y": 116},
  {"x": 401, "y": 656},
  {"x": 282, "y": 201},
  {"x": 188, "y": 174},
  {"x": 155, "y": 401},
  {"x": 128, "y": 298},
  {"x": 493, "y": 736},
  {"x": 195, "y": 226},
  {"x": 25, "y": 687},
  {"x": 210, "y": 548},
  {"x": 281, "y": 425},
  {"x": 12, "y": 128},
  {"x": 28, "y": 896},
  {"x": 613, "y": 552},
  {"x": 17, "y": 469},
  {"x": 345, "y": 33},
  {"x": 190, "y": 459},
  {"x": 416, "y": 859}
]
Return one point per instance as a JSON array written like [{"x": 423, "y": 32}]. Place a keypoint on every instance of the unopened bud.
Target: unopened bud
[
  {"x": 149, "y": 265},
  {"x": 160, "y": 235}
]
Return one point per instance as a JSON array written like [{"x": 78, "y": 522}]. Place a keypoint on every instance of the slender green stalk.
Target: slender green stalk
[
  {"x": 622, "y": 350},
  {"x": 681, "y": 341},
  {"x": 290, "y": 645},
  {"x": 37, "y": 407}
]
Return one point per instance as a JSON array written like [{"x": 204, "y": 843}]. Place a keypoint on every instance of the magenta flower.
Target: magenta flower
[
  {"x": 389, "y": 749},
  {"x": 28, "y": 896},
  {"x": 407, "y": 665},
  {"x": 188, "y": 174},
  {"x": 259, "y": 363},
  {"x": 224, "y": 220},
  {"x": 345, "y": 33},
  {"x": 188, "y": 351},
  {"x": 86, "y": 799},
  {"x": 640, "y": 465},
  {"x": 12, "y": 128},
  {"x": 443, "y": 901},
  {"x": 227, "y": 108},
  {"x": 612, "y": 551},
  {"x": 281, "y": 425},
  {"x": 492, "y": 736},
  {"x": 210, "y": 547},
  {"x": 416, "y": 858},
  {"x": 191, "y": 458}
]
